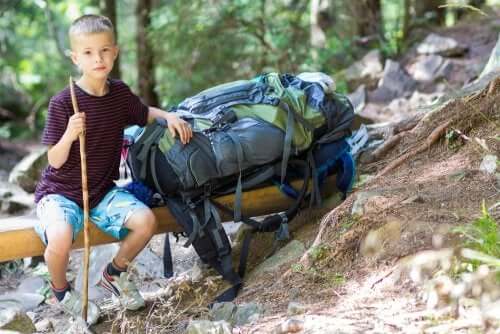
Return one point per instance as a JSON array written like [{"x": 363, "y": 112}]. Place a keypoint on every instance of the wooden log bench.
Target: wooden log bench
[{"x": 19, "y": 240}]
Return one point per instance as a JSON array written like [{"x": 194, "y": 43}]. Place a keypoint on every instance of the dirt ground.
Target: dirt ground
[{"x": 426, "y": 196}]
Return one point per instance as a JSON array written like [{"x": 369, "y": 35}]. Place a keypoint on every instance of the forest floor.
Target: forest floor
[{"x": 358, "y": 284}]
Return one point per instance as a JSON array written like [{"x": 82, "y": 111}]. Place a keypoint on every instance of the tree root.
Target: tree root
[
  {"x": 383, "y": 149},
  {"x": 433, "y": 137},
  {"x": 331, "y": 219}
]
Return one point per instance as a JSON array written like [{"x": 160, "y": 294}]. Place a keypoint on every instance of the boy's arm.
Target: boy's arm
[
  {"x": 175, "y": 124},
  {"x": 58, "y": 154}
]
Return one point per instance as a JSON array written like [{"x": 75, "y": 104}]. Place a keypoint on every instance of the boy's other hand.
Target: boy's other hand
[
  {"x": 179, "y": 126},
  {"x": 76, "y": 126}
]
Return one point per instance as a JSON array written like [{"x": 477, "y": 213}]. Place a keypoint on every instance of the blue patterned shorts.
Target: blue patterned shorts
[{"x": 109, "y": 215}]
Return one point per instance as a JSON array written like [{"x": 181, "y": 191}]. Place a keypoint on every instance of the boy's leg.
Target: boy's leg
[
  {"x": 59, "y": 240},
  {"x": 124, "y": 217},
  {"x": 142, "y": 226},
  {"x": 60, "y": 222}
]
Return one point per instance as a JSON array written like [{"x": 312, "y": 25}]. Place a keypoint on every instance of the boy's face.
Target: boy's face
[{"x": 94, "y": 54}]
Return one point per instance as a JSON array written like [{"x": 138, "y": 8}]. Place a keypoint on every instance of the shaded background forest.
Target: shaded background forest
[{"x": 173, "y": 49}]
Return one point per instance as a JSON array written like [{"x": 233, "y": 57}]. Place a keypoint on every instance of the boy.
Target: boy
[{"x": 107, "y": 106}]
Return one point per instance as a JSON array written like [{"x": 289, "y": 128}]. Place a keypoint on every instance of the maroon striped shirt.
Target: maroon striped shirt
[{"x": 106, "y": 117}]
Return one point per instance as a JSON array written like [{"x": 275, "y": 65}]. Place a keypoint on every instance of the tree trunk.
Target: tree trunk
[
  {"x": 368, "y": 17},
  {"x": 406, "y": 19},
  {"x": 54, "y": 33},
  {"x": 426, "y": 7},
  {"x": 145, "y": 61},
  {"x": 318, "y": 37},
  {"x": 109, "y": 9}
]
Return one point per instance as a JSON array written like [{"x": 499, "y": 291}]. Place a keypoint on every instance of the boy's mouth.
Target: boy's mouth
[{"x": 100, "y": 68}]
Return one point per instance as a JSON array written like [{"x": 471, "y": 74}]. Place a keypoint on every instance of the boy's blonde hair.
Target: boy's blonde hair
[{"x": 91, "y": 24}]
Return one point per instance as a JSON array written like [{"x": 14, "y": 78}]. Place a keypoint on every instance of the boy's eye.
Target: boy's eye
[
  {"x": 86, "y": 53},
  {"x": 105, "y": 49}
]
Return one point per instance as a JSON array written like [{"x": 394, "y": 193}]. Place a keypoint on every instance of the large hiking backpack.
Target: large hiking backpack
[{"x": 246, "y": 133}]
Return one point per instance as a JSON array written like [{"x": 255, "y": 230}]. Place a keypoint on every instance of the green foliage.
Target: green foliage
[
  {"x": 33, "y": 64},
  {"x": 318, "y": 253},
  {"x": 453, "y": 140},
  {"x": 198, "y": 46},
  {"x": 482, "y": 237},
  {"x": 316, "y": 275}
]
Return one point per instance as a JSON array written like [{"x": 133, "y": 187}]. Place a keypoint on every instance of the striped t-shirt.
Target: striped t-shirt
[{"x": 105, "y": 118}]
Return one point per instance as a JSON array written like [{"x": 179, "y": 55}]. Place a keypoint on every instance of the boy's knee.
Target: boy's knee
[
  {"x": 150, "y": 222},
  {"x": 143, "y": 221},
  {"x": 59, "y": 238}
]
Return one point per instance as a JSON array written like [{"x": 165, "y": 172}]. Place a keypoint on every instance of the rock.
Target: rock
[
  {"x": 223, "y": 311},
  {"x": 367, "y": 71},
  {"x": 289, "y": 326},
  {"x": 358, "y": 99},
  {"x": 420, "y": 100},
  {"x": 430, "y": 68},
  {"x": 444, "y": 46},
  {"x": 196, "y": 272},
  {"x": 493, "y": 63},
  {"x": 44, "y": 325},
  {"x": 295, "y": 308},
  {"x": 31, "y": 285},
  {"x": 28, "y": 301},
  {"x": 370, "y": 114},
  {"x": 385, "y": 237},
  {"x": 361, "y": 199},
  {"x": 247, "y": 313},
  {"x": 27, "y": 172},
  {"x": 394, "y": 83},
  {"x": 292, "y": 251},
  {"x": 13, "y": 199},
  {"x": 11, "y": 207},
  {"x": 148, "y": 265},
  {"x": 99, "y": 258},
  {"x": 13, "y": 318},
  {"x": 231, "y": 229},
  {"x": 489, "y": 164},
  {"x": 208, "y": 327}
]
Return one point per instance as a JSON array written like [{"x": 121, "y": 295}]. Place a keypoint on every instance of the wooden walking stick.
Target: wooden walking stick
[{"x": 85, "y": 193}]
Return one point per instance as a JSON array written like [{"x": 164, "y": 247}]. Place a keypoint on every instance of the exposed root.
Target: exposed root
[
  {"x": 433, "y": 137},
  {"x": 331, "y": 219},
  {"x": 386, "y": 147}
]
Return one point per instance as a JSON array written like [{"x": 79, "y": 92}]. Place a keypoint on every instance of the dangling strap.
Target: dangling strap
[
  {"x": 145, "y": 147},
  {"x": 290, "y": 124},
  {"x": 168, "y": 266},
  {"x": 152, "y": 167},
  {"x": 224, "y": 267},
  {"x": 315, "y": 191},
  {"x": 238, "y": 192},
  {"x": 196, "y": 224}
]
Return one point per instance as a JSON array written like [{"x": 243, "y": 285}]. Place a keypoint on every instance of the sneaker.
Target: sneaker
[
  {"x": 124, "y": 289},
  {"x": 72, "y": 304}
]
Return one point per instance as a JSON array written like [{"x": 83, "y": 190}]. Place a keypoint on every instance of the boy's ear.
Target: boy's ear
[
  {"x": 117, "y": 51},
  {"x": 74, "y": 58}
]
